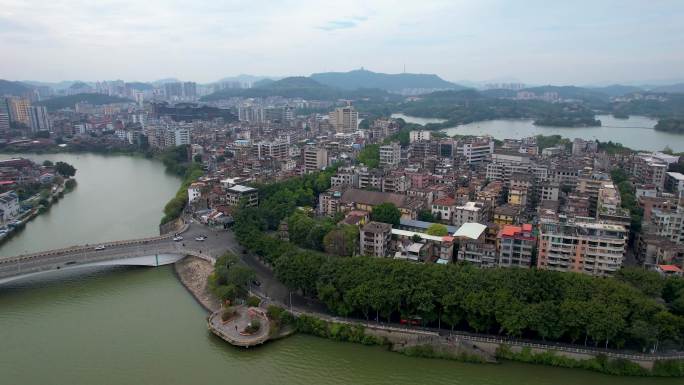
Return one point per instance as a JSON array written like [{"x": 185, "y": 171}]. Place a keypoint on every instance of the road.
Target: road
[{"x": 214, "y": 245}]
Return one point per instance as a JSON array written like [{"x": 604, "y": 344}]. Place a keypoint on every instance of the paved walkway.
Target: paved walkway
[{"x": 231, "y": 330}]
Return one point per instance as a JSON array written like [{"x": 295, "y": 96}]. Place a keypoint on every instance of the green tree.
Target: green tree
[
  {"x": 426, "y": 216},
  {"x": 342, "y": 241},
  {"x": 386, "y": 213},
  {"x": 65, "y": 169},
  {"x": 299, "y": 271},
  {"x": 643, "y": 333},
  {"x": 437, "y": 229},
  {"x": 370, "y": 156},
  {"x": 648, "y": 282},
  {"x": 230, "y": 279}
]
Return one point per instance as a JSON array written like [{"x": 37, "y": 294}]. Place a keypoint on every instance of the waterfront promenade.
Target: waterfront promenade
[{"x": 232, "y": 330}]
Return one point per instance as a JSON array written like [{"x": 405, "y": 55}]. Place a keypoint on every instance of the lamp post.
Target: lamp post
[{"x": 290, "y": 301}]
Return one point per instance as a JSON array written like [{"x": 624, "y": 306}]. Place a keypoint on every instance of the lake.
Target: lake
[{"x": 636, "y": 132}]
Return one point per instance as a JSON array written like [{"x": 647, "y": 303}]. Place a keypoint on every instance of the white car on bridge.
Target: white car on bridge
[
  {"x": 177, "y": 238},
  {"x": 100, "y": 247}
]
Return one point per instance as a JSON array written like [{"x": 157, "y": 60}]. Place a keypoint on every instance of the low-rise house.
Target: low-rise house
[
  {"x": 437, "y": 248},
  {"x": 443, "y": 208},
  {"x": 674, "y": 182},
  {"x": 356, "y": 218},
  {"x": 195, "y": 191},
  {"x": 237, "y": 194},
  {"x": 9, "y": 207},
  {"x": 470, "y": 212},
  {"x": 421, "y": 226},
  {"x": 355, "y": 199},
  {"x": 653, "y": 250},
  {"x": 506, "y": 214},
  {"x": 472, "y": 247},
  {"x": 375, "y": 239},
  {"x": 412, "y": 251},
  {"x": 669, "y": 270}
]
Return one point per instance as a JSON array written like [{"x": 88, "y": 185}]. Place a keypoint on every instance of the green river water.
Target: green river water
[{"x": 140, "y": 326}]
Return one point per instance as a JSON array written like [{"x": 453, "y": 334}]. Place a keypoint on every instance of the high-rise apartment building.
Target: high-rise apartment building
[
  {"x": 420, "y": 135},
  {"x": 390, "y": 154},
  {"x": 181, "y": 136},
  {"x": 173, "y": 90},
  {"x": 315, "y": 159},
  {"x": 4, "y": 122},
  {"x": 344, "y": 119},
  {"x": 4, "y": 115},
  {"x": 19, "y": 110},
  {"x": 190, "y": 90},
  {"x": 38, "y": 119}
]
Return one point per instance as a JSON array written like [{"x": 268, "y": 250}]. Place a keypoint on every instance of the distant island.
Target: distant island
[
  {"x": 674, "y": 125},
  {"x": 567, "y": 121}
]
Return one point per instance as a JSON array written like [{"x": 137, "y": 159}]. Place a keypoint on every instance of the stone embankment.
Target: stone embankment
[{"x": 194, "y": 273}]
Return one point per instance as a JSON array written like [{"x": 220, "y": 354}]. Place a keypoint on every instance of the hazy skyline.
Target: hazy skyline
[{"x": 578, "y": 42}]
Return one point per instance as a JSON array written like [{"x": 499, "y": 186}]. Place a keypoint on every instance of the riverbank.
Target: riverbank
[
  {"x": 193, "y": 273},
  {"x": 415, "y": 342},
  {"x": 174, "y": 159},
  {"x": 55, "y": 195}
]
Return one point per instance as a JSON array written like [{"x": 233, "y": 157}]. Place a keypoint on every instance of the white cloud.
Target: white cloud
[{"x": 205, "y": 40}]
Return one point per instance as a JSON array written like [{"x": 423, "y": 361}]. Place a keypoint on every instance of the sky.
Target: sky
[{"x": 533, "y": 41}]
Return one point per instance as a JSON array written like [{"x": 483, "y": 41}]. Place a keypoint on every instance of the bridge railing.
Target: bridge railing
[{"x": 88, "y": 247}]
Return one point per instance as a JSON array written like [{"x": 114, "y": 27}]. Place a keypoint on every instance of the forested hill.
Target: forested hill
[
  {"x": 14, "y": 88},
  {"x": 70, "y": 101},
  {"x": 298, "y": 87},
  {"x": 390, "y": 82}
]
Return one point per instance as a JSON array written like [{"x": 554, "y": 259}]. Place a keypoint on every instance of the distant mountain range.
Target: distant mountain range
[
  {"x": 250, "y": 79},
  {"x": 671, "y": 89},
  {"x": 571, "y": 92},
  {"x": 389, "y": 82},
  {"x": 297, "y": 87},
  {"x": 356, "y": 83},
  {"x": 14, "y": 88},
  {"x": 57, "y": 86},
  {"x": 164, "y": 81},
  {"x": 617, "y": 90}
]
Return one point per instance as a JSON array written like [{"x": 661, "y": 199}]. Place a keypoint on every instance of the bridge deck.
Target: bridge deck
[{"x": 152, "y": 251}]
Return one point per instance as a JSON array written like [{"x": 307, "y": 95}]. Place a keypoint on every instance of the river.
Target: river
[
  {"x": 140, "y": 326},
  {"x": 636, "y": 132},
  {"x": 117, "y": 197}
]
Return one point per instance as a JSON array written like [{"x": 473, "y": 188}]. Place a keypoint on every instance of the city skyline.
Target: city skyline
[{"x": 536, "y": 43}]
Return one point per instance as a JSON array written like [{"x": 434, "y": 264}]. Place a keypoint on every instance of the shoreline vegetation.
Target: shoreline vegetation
[
  {"x": 46, "y": 201},
  {"x": 601, "y": 363},
  {"x": 675, "y": 126},
  {"x": 176, "y": 162}
]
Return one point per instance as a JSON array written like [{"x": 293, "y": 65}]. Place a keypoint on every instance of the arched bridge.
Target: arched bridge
[{"x": 153, "y": 251}]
